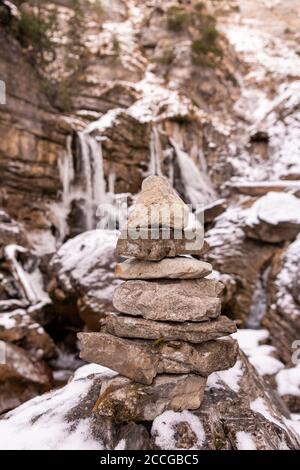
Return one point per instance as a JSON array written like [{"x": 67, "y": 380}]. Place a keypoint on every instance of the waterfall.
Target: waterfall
[
  {"x": 87, "y": 186},
  {"x": 67, "y": 174},
  {"x": 198, "y": 188},
  {"x": 259, "y": 301},
  {"x": 155, "y": 153}
]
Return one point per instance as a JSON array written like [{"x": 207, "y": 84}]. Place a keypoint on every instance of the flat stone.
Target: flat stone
[
  {"x": 142, "y": 360},
  {"x": 123, "y": 400},
  {"x": 128, "y": 358},
  {"x": 178, "y": 357},
  {"x": 178, "y": 300},
  {"x": 159, "y": 205},
  {"x": 213, "y": 210},
  {"x": 154, "y": 245},
  {"x": 168, "y": 268},
  {"x": 130, "y": 327}
]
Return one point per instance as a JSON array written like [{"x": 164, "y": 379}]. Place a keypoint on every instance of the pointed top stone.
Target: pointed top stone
[{"x": 158, "y": 205}]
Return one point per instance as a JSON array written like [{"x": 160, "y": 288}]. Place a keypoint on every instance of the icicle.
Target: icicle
[
  {"x": 98, "y": 180},
  {"x": 198, "y": 188},
  {"x": 21, "y": 277},
  {"x": 155, "y": 153},
  {"x": 111, "y": 183},
  {"x": 87, "y": 176},
  {"x": 66, "y": 171}
]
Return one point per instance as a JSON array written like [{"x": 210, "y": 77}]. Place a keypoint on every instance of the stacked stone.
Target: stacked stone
[{"x": 168, "y": 334}]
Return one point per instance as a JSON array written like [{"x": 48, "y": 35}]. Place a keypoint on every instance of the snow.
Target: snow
[
  {"x": 90, "y": 369},
  {"x": 259, "y": 406},
  {"x": 41, "y": 424},
  {"x": 198, "y": 188},
  {"x": 288, "y": 381},
  {"x": 164, "y": 429},
  {"x": 275, "y": 208},
  {"x": 80, "y": 254},
  {"x": 158, "y": 102},
  {"x": 230, "y": 377},
  {"x": 17, "y": 319},
  {"x": 244, "y": 441},
  {"x": 104, "y": 122},
  {"x": 286, "y": 278},
  {"x": 260, "y": 356},
  {"x": 30, "y": 287},
  {"x": 250, "y": 339}
]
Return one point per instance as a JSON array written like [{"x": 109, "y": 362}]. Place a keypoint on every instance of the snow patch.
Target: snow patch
[
  {"x": 244, "y": 441},
  {"x": 164, "y": 429},
  {"x": 288, "y": 381}
]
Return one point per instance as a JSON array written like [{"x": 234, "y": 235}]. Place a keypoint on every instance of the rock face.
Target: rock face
[
  {"x": 134, "y": 327},
  {"x": 22, "y": 377},
  {"x": 238, "y": 412},
  {"x": 186, "y": 300},
  {"x": 283, "y": 311},
  {"x": 169, "y": 268},
  {"x": 158, "y": 205},
  {"x": 189, "y": 343},
  {"x": 240, "y": 258}
]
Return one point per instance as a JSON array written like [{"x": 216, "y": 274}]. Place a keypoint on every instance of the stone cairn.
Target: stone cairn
[{"x": 168, "y": 335}]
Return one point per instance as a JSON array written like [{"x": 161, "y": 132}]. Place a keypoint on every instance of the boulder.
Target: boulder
[
  {"x": 82, "y": 277},
  {"x": 238, "y": 412},
  {"x": 180, "y": 300},
  {"x": 169, "y": 268},
  {"x": 17, "y": 326},
  {"x": 22, "y": 377},
  {"x": 154, "y": 245},
  {"x": 239, "y": 257},
  {"x": 274, "y": 218},
  {"x": 141, "y": 360},
  {"x": 135, "y": 327},
  {"x": 123, "y": 400},
  {"x": 158, "y": 205},
  {"x": 282, "y": 318},
  {"x": 214, "y": 209}
]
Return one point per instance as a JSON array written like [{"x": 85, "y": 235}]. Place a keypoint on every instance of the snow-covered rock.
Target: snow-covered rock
[
  {"x": 83, "y": 276},
  {"x": 274, "y": 218},
  {"x": 283, "y": 312},
  {"x": 238, "y": 412}
]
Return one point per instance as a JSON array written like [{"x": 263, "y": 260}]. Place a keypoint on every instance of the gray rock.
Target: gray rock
[
  {"x": 154, "y": 245},
  {"x": 130, "y": 327},
  {"x": 169, "y": 268},
  {"x": 158, "y": 205},
  {"x": 142, "y": 360},
  {"x": 184, "y": 300},
  {"x": 123, "y": 400}
]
